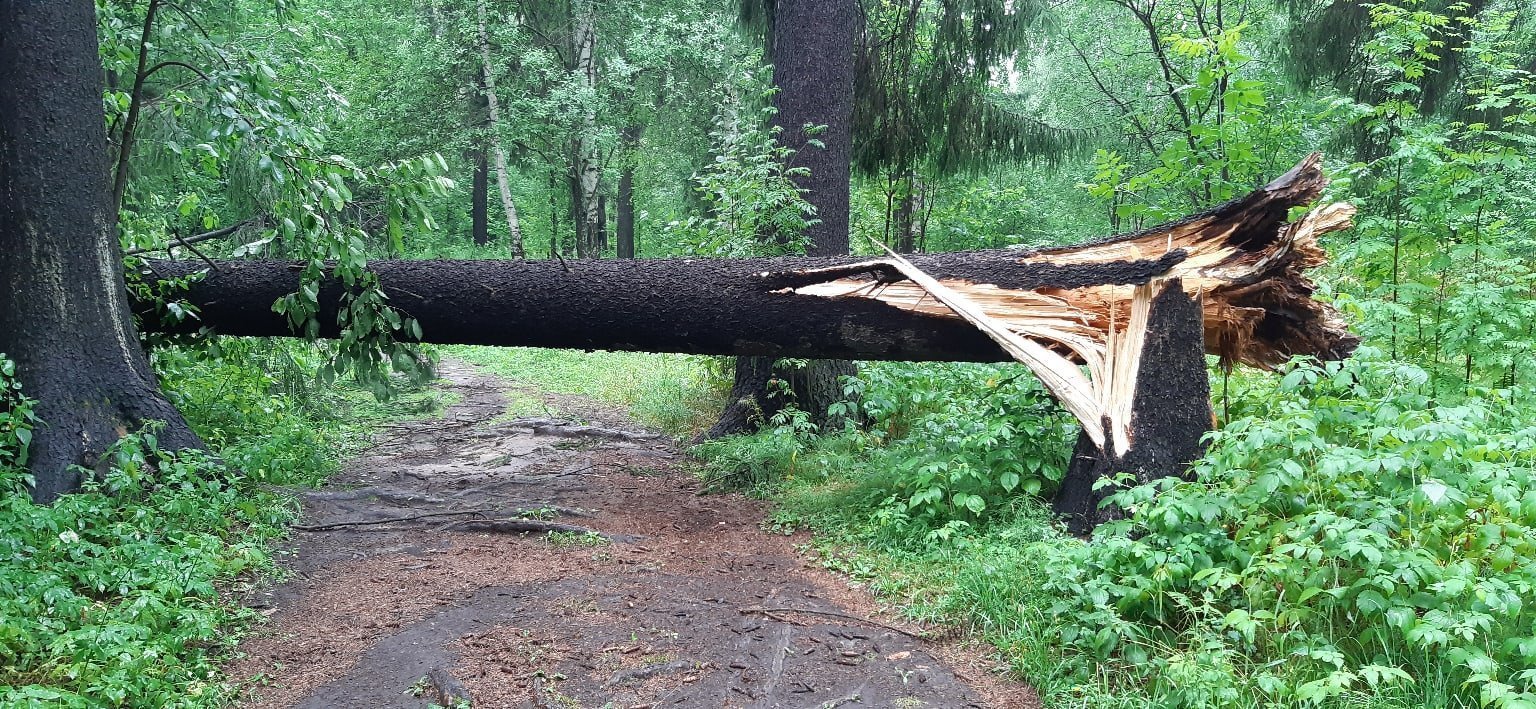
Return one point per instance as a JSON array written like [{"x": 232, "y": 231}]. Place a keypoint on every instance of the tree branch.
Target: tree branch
[
  {"x": 198, "y": 239},
  {"x": 135, "y": 101}
]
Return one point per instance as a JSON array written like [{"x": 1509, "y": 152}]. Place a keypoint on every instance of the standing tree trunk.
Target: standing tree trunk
[
  {"x": 65, "y": 321},
  {"x": 909, "y": 214},
  {"x": 503, "y": 181},
  {"x": 812, "y": 50},
  {"x": 1170, "y": 415},
  {"x": 479, "y": 199},
  {"x": 624, "y": 219},
  {"x": 585, "y": 167}
]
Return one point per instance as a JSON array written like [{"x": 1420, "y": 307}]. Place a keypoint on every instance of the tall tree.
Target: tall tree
[
  {"x": 66, "y": 321},
  {"x": 928, "y": 105},
  {"x": 493, "y": 106},
  {"x": 810, "y": 43}
]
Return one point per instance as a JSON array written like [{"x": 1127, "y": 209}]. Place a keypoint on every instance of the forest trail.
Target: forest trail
[{"x": 688, "y": 603}]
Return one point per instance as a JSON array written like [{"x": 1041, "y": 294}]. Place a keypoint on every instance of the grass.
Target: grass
[{"x": 676, "y": 394}]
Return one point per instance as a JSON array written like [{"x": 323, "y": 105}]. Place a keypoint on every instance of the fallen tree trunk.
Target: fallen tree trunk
[
  {"x": 1116, "y": 329},
  {"x": 701, "y": 306},
  {"x": 1243, "y": 258}
]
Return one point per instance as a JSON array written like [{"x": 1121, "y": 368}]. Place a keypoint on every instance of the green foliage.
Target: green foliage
[
  {"x": 1344, "y": 539},
  {"x": 112, "y": 596},
  {"x": 749, "y": 202},
  {"x": 1440, "y": 267},
  {"x": 237, "y": 141},
  {"x": 950, "y": 442},
  {"x": 123, "y": 594},
  {"x": 964, "y": 436}
]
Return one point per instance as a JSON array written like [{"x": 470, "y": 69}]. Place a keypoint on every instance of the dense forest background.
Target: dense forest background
[{"x": 1361, "y": 533}]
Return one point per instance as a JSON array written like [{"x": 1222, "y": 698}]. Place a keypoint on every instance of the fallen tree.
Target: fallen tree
[{"x": 1091, "y": 320}]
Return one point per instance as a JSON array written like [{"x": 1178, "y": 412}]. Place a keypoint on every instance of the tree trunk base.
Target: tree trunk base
[
  {"x": 762, "y": 390},
  {"x": 1170, "y": 415}
]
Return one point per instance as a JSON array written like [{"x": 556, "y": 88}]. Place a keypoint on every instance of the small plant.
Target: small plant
[{"x": 570, "y": 540}]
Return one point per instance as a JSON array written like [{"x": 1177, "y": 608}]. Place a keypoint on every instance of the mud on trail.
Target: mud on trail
[{"x": 674, "y": 600}]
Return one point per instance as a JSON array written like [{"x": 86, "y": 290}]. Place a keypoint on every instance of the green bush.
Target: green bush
[
  {"x": 112, "y": 596},
  {"x": 1351, "y": 539}
]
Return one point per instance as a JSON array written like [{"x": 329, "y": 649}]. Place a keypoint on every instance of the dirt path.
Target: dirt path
[{"x": 685, "y": 603}]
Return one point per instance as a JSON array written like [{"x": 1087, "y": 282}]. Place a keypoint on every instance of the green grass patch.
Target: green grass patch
[{"x": 677, "y": 394}]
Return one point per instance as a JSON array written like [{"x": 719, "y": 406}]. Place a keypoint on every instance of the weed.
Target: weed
[{"x": 570, "y": 540}]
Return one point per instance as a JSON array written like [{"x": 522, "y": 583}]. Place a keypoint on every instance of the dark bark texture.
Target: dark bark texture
[
  {"x": 624, "y": 221},
  {"x": 1170, "y": 414},
  {"x": 813, "y": 68},
  {"x": 701, "y": 306},
  {"x": 479, "y": 200},
  {"x": 65, "y": 319},
  {"x": 812, "y": 55}
]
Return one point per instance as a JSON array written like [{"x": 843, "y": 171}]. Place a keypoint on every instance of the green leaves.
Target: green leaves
[{"x": 1347, "y": 525}]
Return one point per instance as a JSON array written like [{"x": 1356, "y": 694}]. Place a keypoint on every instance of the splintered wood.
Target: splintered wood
[{"x": 1242, "y": 261}]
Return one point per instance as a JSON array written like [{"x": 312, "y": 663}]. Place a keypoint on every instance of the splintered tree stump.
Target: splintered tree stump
[{"x": 1170, "y": 415}]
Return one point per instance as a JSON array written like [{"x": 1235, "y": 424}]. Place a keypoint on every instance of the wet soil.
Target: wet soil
[{"x": 423, "y": 574}]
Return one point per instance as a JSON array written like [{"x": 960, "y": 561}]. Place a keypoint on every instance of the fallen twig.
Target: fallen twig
[{"x": 516, "y": 525}]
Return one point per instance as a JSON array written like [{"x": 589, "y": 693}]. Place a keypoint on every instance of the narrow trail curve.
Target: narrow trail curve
[{"x": 684, "y": 607}]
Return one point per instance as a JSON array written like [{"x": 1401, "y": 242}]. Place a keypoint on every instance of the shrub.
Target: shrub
[{"x": 1350, "y": 538}]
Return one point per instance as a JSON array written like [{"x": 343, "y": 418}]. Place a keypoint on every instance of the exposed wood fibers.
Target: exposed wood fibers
[{"x": 1246, "y": 267}]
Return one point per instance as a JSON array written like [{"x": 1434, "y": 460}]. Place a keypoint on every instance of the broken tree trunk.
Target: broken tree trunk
[
  {"x": 1116, "y": 329},
  {"x": 1243, "y": 259},
  {"x": 1169, "y": 412}
]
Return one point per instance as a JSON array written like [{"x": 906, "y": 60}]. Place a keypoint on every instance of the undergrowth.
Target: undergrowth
[
  {"x": 126, "y": 594},
  {"x": 1346, "y": 541}
]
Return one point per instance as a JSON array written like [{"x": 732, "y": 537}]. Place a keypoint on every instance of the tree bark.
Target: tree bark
[
  {"x": 909, "y": 214},
  {"x": 624, "y": 207},
  {"x": 585, "y": 168},
  {"x": 65, "y": 320},
  {"x": 624, "y": 220},
  {"x": 812, "y": 50},
  {"x": 702, "y": 306},
  {"x": 479, "y": 201},
  {"x": 503, "y": 179},
  {"x": 602, "y": 224},
  {"x": 1170, "y": 414},
  {"x": 813, "y": 68}
]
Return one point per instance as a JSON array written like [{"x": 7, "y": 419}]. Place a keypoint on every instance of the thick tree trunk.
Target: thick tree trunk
[
  {"x": 602, "y": 224},
  {"x": 813, "y": 67},
  {"x": 702, "y": 306},
  {"x": 812, "y": 50},
  {"x": 503, "y": 179},
  {"x": 65, "y": 318},
  {"x": 479, "y": 201},
  {"x": 909, "y": 214},
  {"x": 1170, "y": 413},
  {"x": 624, "y": 219}
]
